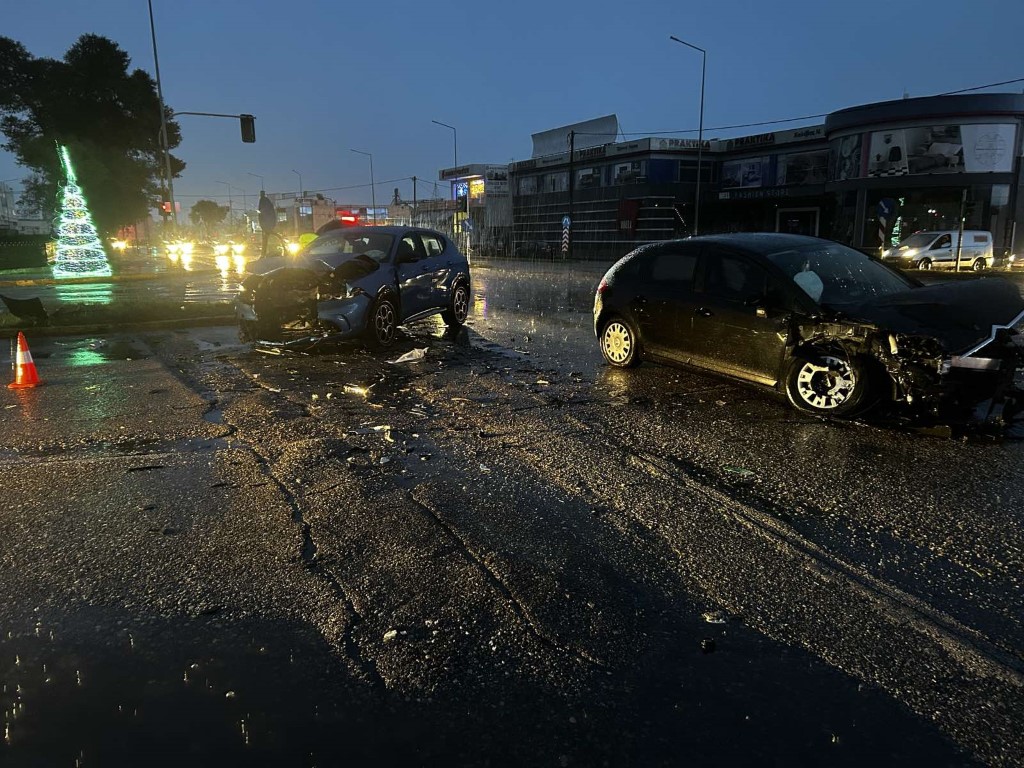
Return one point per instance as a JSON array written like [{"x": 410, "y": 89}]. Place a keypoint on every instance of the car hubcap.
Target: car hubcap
[
  {"x": 924, "y": 265},
  {"x": 827, "y": 384},
  {"x": 978, "y": 266},
  {"x": 617, "y": 342},
  {"x": 460, "y": 303},
  {"x": 384, "y": 322}
]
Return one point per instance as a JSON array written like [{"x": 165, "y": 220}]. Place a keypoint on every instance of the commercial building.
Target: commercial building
[
  {"x": 482, "y": 211},
  {"x": 867, "y": 176}
]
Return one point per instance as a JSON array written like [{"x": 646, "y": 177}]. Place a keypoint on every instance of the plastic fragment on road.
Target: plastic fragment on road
[
  {"x": 267, "y": 350},
  {"x": 714, "y": 617},
  {"x": 390, "y": 635},
  {"x": 412, "y": 356},
  {"x": 543, "y": 382},
  {"x": 741, "y": 471},
  {"x": 354, "y": 389},
  {"x": 485, "y": 469}
]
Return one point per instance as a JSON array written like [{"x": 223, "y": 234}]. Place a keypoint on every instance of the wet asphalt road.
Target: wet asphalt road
[{"x": 507, "y": 553}]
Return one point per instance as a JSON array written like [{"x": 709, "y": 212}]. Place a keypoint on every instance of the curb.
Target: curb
[{"x": 98, "y": 328}]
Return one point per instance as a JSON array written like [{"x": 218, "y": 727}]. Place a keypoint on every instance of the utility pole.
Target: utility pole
[
  {"x": 413, "y": 222},
  {"x": 163, "y": 120},
  {"x": 960, "y": 235},
  {"x": 700, "y": 130},
  {"x": 572, "y": 188}
]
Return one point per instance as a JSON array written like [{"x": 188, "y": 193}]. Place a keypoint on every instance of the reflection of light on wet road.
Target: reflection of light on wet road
[
  {"x": 84, "y": 293},
  {"x": 223, "y": 264}
]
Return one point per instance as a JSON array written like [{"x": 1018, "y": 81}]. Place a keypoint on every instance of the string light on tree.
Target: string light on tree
[{"x": 79, "y": 250}]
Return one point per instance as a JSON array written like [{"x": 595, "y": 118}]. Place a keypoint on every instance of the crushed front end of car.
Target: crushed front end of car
[
  {"x": 304, "y": 303},
  {"x": 951, "y": 352}
]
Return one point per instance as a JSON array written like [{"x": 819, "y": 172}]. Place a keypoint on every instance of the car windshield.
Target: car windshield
[
  {"x": 834, "y": 275},
  {"x": 920, "y": 240},
  {"x": 376, "y": 245}
]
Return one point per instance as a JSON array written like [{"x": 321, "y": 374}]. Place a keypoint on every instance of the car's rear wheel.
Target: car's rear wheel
[
  {"x": 383, "y": 323},
  {"x": 979, "y": 265},
  {"x": 924, "y": 264},
  {"x": 458, "y": 308},
  {"x": 828, "y": 384},
  {"x": 620, "y": 345}
]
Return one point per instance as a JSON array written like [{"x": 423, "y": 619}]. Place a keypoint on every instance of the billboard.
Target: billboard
[
  {"x": 590, "y": 133},
  {"x": 749, "y": 172},
  {"x": 941, "y": 149}
]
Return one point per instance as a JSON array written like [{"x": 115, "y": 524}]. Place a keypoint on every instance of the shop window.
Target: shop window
[
  {"x": 556, "y": 182},
  {"x": 588, "y": 177},
  {"x": 528, "y": 185},
  {"x": 629, "y": 173}
]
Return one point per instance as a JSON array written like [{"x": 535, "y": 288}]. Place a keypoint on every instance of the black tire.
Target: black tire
[
  {"x": 382, "y": 323},
  {"x": 830, "y": 384},
  {"x": 458, "y": 308},
  {"x": 924, "y": 264},
  {"x": 620, "y": 343},
  {"x": 978, "y": 265}
]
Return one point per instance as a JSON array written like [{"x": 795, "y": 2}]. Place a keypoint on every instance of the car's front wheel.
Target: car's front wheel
[
  {"x": 458, "y": 307},
  {"x": 979, "y": 265},
  {"x": 619, "y": 343},
  {"x": 383, "y": 323},
  {"x": 828, "y": 384},
  {"x": 924, "y": 264}
]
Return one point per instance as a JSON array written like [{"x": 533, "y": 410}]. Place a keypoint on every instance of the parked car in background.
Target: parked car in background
[
  {"x": 834, "y": 329},
  {"x": 354, "y": 283},
  {"x": 937, "y": 250}
]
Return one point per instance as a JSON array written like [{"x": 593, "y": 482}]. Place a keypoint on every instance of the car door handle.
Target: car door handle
[{"x": 704, "y": 312}]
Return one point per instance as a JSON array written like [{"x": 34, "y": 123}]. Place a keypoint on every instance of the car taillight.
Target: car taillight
[{"x": 602, "y": 286}]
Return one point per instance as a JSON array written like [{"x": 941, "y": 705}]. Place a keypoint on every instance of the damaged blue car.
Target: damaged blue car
[{"x": 358, "y": 283}]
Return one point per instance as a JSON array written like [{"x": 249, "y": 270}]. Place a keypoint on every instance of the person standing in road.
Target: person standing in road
[{"x": 268, "y": 218}]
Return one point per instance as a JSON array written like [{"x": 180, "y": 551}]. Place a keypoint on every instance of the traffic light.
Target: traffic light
[{"x": 248, "y": 123}]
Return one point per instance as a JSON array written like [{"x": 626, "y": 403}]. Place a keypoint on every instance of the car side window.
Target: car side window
[
  {"x": 432, "y": 245},
  {"x": 943, "y": 242},
  {"x": 409, "y": 247},
  {"x": 674, "y": 267},
  {"x": 735, "y": 279}
]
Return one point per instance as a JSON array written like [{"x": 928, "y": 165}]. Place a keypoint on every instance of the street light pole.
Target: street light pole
[
  {"x": 163, "y": 119},
  {"x": 373, "y": 191},
  {"x": 700, "y": 131},
  {"x": 258, "y": 177},
  {"x": 455, "y": 139},
  {"x": 300, "y": 181}
]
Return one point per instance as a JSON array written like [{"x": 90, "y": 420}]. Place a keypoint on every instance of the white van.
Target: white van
[{"x": 937, "y": 250}]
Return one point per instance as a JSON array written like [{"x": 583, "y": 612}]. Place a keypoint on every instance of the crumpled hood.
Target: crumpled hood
[
  {"x": 345, "y": 266},
  {"x": 959, "y": 315}
]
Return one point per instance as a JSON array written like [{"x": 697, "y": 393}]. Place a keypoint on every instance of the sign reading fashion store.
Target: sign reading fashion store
[{"x": 929, "y": 149}]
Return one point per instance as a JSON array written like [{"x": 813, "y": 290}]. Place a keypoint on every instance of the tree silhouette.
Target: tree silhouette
[
  {"x": 107, "y": 116},
  {"x": 208, "y": 212}
]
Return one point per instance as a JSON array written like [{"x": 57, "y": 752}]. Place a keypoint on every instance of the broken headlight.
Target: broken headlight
[{"x": 336, "y": 292}]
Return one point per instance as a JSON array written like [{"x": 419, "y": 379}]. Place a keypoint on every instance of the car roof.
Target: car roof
[
  {"x": 757, "y": 242},
  {"x": 389, "y": 230}
]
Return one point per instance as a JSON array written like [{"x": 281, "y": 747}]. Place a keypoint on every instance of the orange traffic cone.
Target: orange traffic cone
[{"x": 25, "y": 374}]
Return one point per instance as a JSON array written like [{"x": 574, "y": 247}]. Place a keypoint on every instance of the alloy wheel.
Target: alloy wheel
[
  {"x": 460, "y": 304},
  {"x": 825, "y": 384},
  {"x": 384, "y": 322},
  {"x": 618, "y": 342}
]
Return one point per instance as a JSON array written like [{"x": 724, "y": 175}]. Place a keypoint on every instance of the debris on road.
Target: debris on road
[
  {"x": 741, "y": 471},
  {"x": 714, "y": 617},
  {"x": 412, "y": 356},
  {"x": 354, "y": 389},
  {"x": 390, "y": 635}
]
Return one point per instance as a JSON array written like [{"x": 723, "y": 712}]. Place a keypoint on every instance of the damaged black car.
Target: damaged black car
[
  {"x": 834, "y": 329},
  {"x": 358, "y": 283}
]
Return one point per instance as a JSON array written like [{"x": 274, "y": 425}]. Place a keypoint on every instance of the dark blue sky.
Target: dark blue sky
[{"x": 322, "y": 77}]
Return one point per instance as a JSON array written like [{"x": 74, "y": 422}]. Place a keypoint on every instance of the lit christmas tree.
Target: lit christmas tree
[{"x": 79, "y": 250}]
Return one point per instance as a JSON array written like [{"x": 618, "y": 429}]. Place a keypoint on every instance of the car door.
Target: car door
[
  {"x": 941, "y": 251},
  {"x": 740, "y": 323},
  {"x": 439, "y": 264},
  {"x": 414, "y": 281},
  {"x": 664, "y": 298}
]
